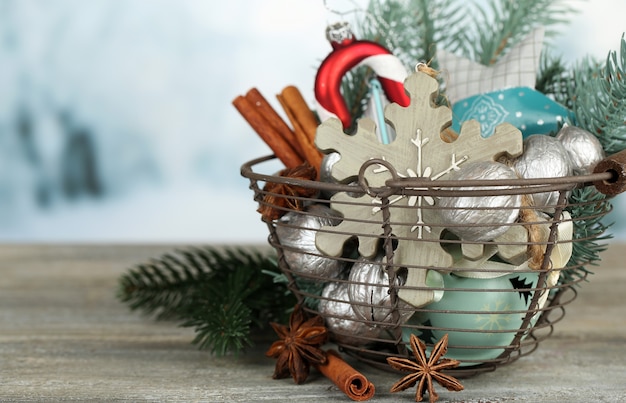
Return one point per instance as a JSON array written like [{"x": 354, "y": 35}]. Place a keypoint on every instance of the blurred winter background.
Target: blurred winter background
[{"x": 116, "y": 123}]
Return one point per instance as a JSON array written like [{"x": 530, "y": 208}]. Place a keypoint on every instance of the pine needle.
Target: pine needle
[
  {"x": 587, "y": 208},
  {"x": 222, "y": 293},
  {"x": 599, "y": 96}
]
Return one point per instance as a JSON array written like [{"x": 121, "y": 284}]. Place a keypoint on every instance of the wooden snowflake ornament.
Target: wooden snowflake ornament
[{"x": 418, "y": 151}]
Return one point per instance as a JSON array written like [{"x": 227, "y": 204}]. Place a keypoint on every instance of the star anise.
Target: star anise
[
  {"x": 280, "y": 197},
  {"x": 425, "y": 370},
  {"x": 299, "y": 345}
]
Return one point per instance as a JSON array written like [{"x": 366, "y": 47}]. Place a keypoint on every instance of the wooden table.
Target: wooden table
[{"x": 64, "y": 336}]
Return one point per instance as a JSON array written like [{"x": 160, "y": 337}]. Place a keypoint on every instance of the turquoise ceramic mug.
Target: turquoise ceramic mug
[{"x": 480, "y": 315}]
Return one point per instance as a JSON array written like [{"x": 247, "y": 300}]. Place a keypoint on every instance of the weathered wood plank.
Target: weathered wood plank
[{"x": 64, "y": 336}]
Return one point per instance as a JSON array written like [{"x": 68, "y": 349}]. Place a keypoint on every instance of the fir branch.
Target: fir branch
[
  {"x": 587, "y": 208},
  {"x": 555, "y": 79},
  {"x": 222, "y": 293},
  {"x": 355, "y": 89},
  {"x": 599, "y": 96},
  {"x": 221, "y": 328},
  {"x": 439, "y": 24},
  {"x": 504, "y": 23},
  {"x": 162, "y": 286},
  {"x": 413, "y": 31},
  {"x": 385, "y": 22}
]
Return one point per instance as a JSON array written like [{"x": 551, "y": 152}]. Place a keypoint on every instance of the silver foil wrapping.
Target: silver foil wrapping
[
  {"x": 543, "y": 157},
  {"x": 480, "y": 218},
  {"x": 584, "y": 149},
  {"x": 326, "y": 174},
  {"x": 341, "y": 320},
  {"x": 368, "y": 291},
  {"x": 296, "y": 233},
  {"x": 327, "y": 166}
]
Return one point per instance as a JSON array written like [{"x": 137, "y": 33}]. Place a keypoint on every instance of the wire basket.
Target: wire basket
[{"x": 497, "y": 300}]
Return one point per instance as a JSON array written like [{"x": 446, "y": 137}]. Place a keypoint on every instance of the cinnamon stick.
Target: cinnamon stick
[
  {"x": 616, "y": 165},
  {"x": 283, "y": 150},
  {"x": 265, "y": 109},
  {"x": 310, "y": 153},
  {"x": 349, "y": 380},
  {"x": 301, "y": 111}
]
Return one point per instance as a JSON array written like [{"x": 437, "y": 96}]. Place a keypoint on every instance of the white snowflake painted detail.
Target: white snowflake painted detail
[{"x": 417, "y": 201}]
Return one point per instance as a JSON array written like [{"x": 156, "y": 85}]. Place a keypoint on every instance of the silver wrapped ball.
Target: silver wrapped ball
[
  {"x": 341, "y": 320},
  {"x": 326, "y": 174},
  {"x": 296, "y": 233},
  {"x": 584, "y": 149},
  {"x": 486, "y": 217},
  {"x": 327, "y": 166},
  {"x": 543, "y": 157},
  {"x": 368, "y": 291}
]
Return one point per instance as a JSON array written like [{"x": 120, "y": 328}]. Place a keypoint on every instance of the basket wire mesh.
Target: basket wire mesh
[{"x": 485, "y": 330}]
